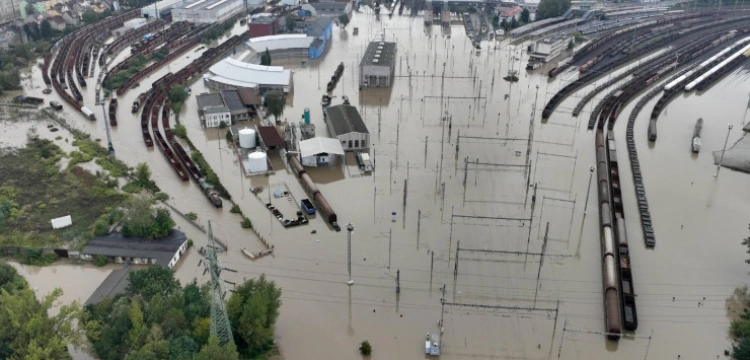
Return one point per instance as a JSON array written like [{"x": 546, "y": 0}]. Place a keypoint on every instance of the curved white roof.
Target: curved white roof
[
  {"x": 280, "y": 42},
  {"x": 242, "y": 74}
]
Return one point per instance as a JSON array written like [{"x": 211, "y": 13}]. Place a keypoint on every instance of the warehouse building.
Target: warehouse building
[
  {"x": 206, "y": 11},
  {"x": 545, "y": 50},
  {"x": 264, "y": 24},
  {"x": 119, "y": 249},
  {"x": 212, "y": 111},
  {"x": 378, "y": 64},
  {"x": 161, "y": 9},
  {"x": 230, "y": 74},
  {"x": 329, "y": 9},
  {"x": 345, "y": 124},
  {"x": 286, "y": 46}
]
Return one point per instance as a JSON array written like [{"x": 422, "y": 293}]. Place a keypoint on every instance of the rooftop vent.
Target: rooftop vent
[{"x": 375, "y": 61}]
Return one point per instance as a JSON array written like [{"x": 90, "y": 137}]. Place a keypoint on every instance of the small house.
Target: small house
[
  {"x": 120, "y": 249},
  {"x": 320, "y": 151}
]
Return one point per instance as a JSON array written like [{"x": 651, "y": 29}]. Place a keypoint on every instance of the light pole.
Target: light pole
[
  {"x": 718, "y": 167},
  {"x": 349, "y": 231},
  {"x": 588, "y": 192}
]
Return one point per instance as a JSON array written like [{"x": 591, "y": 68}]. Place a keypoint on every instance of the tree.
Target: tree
[
  {"x": 89, "y": 16},
  {"x": 142, "y": 175},
  {"x": 275, "y": 102},
  {"x": 344, "y": 20},
  {"x": 177, "y": 94},
  {"x": 265, "y": 59},
  {"x": 504, "y": 24},
  {"x": 28, "y": 332},
  {"x": 45, "y": 29},
  {"x": 513, "y": 23},
  {"x": 30, "y": 10},
  {"x": 571, "y": 44},
  {"x": 180, "y": 131},
  {"x": 525, "y": 16},
  {"x": 551, "y": 8},
  {"x": 252, "y": 310},
  {"x": 152, "y": 281},
  {"x": 142, "y": 220},
  {"x": 291, "y": 22},
  {"x": 365, "y": 348},
  {"x": 215, "y": 351}
]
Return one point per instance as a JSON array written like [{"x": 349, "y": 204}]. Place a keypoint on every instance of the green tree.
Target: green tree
[
  {"x": 155, "y": 280},
  {"x": 365, "y": 348},
  {"x": 571, "y": 44},
  {"x": 180, "y": 131},
  {"x": 513, "y": 23},
  {"x": 275, "y": 102},
  {"x": 89, "y": 16},
  {"x": 30, "y": 10},
  {"x": 142, "y": 174},
  {"x": 551, "y": 8},
  {"x": 741, "y": 350},
  {"x": 27, "y": 332},
  {"x": 215, "y": 351},
  {"x": 45, "y": 29},
  {"x": 265, "y": 59},
  {"x": 504, "y": 24},
  {"x": 291, "y": 22},
  {"x": 177, "y": 94},
  {"x": 252, "y": 310},
  {"x": 344, "y": 20},
  {"x": 182, "y": 348},
  {"x": 525, "y": 16},
  {"x": 142, "y": 220}
]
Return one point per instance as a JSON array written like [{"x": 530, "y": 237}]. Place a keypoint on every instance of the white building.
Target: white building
[
  {"x": 206, "y": 11},
  {"x": 548, "y": 48},
  {"x": 319, "y": 151},
  {"x": 230, "y": 74},
  {"x": 159, "y": 9},
  {"x": 378, "y": 64},
  {"x": 212, "y": 111},
  {"x": 329, "y": 9},
  {"x": 345, "y": 124}
]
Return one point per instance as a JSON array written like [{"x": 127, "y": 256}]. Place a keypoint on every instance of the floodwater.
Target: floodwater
[{"x": 503, "y": 300}]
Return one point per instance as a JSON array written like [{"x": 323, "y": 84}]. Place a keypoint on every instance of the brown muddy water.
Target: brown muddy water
[{"x": 699, "y": 219}]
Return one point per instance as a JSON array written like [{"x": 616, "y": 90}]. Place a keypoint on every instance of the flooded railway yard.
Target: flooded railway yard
[{"x": 474, "y": 199}]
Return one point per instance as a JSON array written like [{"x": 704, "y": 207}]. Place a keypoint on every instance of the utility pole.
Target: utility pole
[
  {"x": 442, "y": 309},
  {"x": 721, "y": 160},
  {"x": 390, "y": 232},
  {"x": 398, "y": 281},
  {"x": 349, "y": 231},
  {"x": 588, "y": 192}
]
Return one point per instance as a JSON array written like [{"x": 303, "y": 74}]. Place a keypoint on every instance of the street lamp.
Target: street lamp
[
  {"x": 718, "y": 167},
  {"x": 349, "y": 231}
]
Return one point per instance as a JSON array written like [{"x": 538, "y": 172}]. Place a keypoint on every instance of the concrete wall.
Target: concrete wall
[
  {"x": 376, "y": 75},
  {"x": 354, "y": 141}
]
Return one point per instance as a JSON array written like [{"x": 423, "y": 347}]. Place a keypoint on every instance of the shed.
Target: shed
[
  {"x": 319, "y": 151},
  {"x": 165, "y": 251},
  {"x": 249, "y": 97},
  {"x": 270, "y": 136},
  {"x": 62, "y": 222},
  {"x": 237, "y": 109},
  {"x": 345, "y": 124}
]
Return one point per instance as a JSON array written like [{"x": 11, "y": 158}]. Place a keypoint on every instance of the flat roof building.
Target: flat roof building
[
  {"x": 160, "y": 9},
  {"x": 378, "y": 64},
  {"x": 119, "y": 249},
  {"x": 345, "y": 124},
  {"x": 207, "y": 11},
  {"x": 319, "y": 151},
  {"x": 230, "y": 74}
]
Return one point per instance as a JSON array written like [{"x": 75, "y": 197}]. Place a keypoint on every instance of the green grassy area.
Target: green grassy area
[{"x": 35, "y": 190}]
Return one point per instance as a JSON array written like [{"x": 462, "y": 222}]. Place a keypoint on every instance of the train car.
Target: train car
[{"x": 113, "y": 112}]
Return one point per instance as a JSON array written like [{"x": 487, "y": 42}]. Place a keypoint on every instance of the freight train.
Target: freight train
[{"x": 323, "y": 206}]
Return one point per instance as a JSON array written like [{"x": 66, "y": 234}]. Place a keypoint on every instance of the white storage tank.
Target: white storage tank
[
  {"x": 247, "y": 138},
  {"x": 257, "y": 162}
]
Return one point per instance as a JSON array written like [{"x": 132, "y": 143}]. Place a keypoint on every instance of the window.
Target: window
[
  {"x": 356, "y": 143},
  {"x": 350, "y": 144}
]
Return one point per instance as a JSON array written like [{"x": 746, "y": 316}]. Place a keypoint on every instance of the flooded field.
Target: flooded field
[{"x": 477, "y": 182}]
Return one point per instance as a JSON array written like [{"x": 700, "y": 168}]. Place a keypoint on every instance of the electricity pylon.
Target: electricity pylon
[{"x": 219, "y": 321}]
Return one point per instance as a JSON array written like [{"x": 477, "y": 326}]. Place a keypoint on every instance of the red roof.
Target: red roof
[{"x": 511, "y": 12}]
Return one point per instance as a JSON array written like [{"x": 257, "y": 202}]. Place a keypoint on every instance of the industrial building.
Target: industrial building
[
  {"x": 320, "y": 151},
  {"x": 161, "y": 9},
  {"x": 329, "y": 9},
  {"x": 378, "y": 64},
  {"x": 230, "y": 74},
  {"x": 207, "y": 11},
  {"x": 544, "y": 50},
  {"x": 345, "y": 124},
  {"x": 265, "y": 24},
  {"x": 119, "y": 249},
  {"x": 320, "y": 29},
  {"x": 212, "y": 111}
]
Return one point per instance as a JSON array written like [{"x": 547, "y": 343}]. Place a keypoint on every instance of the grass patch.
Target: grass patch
[
  {"x": 30, "y": 198},
  {"x": 246, "y": 223},
  {"x": 235, "y": 209},
  {"x": 132, "y": 187},
  {"x": 192, "y": 216}
]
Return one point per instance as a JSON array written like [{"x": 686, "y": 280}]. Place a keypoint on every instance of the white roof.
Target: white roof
[
  {"x": 161, "y": 5},
  {"x": 319, "y": 145},
  {"x": 280, "y": 42},
  {"x": 62, "y": 222},
  {"x": 238, "y": 73}
]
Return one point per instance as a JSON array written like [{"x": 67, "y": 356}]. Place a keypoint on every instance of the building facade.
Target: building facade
[
  {"x": 321, "y": 29},
  {"x": 345, "y": 124},
  {"x": 378, "y": 65},
  {"x": 264, "y": 24},
  {"x": 207, "y": 11},
  {"x": 213, "y": 116},
  {"x": 548, "y": 48}
]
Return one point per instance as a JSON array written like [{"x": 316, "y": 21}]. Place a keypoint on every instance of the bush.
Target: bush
[
  {"x": 38, "y": 258},
  {"x": 161, "y": 196},
  {"x": 190, "y": 243},
  {"x": 132, "y": 187},
  {"x": 235, "y": 209},
  {"x": 180, "y": 131},
  {"x": 246, "y": 223},
  {"x": 192, "y": 216},
  {"x": 77, "y": 157},
  {"x": 365, "y": 348},
  {"x": 100, "y": 260}
]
